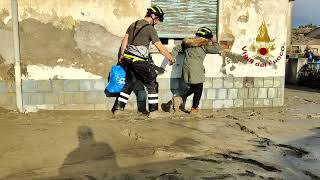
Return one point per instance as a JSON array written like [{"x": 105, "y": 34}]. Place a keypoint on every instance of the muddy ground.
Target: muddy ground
[{"x": 272, "y": 143}]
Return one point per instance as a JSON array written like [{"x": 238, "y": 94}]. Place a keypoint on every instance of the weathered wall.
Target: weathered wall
[
  {"x": 257, "y": 31},
  {"x": 79, "y": 34},
  {"x": 6, "y": 46},
  {"x": 82, "y": 37}
]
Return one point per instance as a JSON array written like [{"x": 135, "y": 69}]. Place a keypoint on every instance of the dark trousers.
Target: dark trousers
[
  {"x": 195, "y": 89},
  {"x": 143, "y": 71}
]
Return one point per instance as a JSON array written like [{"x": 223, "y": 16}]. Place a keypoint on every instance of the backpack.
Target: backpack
[{"x": 116, "y": 81}]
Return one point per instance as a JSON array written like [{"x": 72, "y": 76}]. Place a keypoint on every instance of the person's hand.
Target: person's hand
[
  {"x": 121, "y": 59},
  {"x": 172, "y": 61}
]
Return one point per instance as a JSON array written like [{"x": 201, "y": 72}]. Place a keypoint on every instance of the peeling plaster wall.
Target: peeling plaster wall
[
  {"x": 240, "y": 24},
  {"x": 73, "y": 33},
  {"x": 86, "y": 35},
  {"x": 6, "y": 46}
]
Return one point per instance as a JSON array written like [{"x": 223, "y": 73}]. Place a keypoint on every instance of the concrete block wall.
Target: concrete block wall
[
  {"x": 7, "y": 95},
  {"x": 229, "y": 92}
]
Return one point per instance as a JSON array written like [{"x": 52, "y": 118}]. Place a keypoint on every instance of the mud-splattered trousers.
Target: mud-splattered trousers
[{"x": 143, "y": 71}]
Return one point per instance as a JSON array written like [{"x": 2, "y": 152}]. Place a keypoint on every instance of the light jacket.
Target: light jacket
[{"x": 195, "y": 50}]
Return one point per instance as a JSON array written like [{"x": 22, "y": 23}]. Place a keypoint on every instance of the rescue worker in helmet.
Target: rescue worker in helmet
[
  {"x": 134, "y": 55},
  {"x": 193, "y": 70}
]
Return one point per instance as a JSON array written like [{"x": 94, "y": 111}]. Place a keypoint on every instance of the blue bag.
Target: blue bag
[{"x": 117, "y": 80}]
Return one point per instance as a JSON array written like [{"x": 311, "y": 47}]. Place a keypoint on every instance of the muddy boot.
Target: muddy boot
[
  {"x": 177, "y": 102},
  {"x": 118, "y": 108}
]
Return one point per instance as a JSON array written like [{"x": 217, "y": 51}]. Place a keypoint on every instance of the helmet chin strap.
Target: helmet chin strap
[{"x": 153, "y": 21}]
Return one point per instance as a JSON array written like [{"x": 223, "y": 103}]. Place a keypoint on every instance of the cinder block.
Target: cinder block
[
  {"x": 52, "y": 98},
  {"x": 218, "y": 104},
  {"x": 99, "y": 84},
  {"x": 74, "y": 98},
  {"x": 228, "y": 104},
  {"x": 228, "y": 82},
  {"x": 262, "y": 93},
  {"x": 207, "y": 104},
  {"x": 11, "y": 86},
  {"x": 253, "y": 93},
  {"x": 101, "y": 107},
  {"x": 238, "y": 103},
  {"x": 165, "y": 94},
  {"x": 8, "y": 100},
  {"x": 248, "y": 82},
  {"x": 57, "y": 85},
  {"x": 188, "y": 104},
  {"x": 217, "y": 83},
  {"x": 86, "y": 85},
  {"x": 268, "y": 82},
  {"x": 232, "y": 93},
  {"x": 278, "y": 82},
  {"x": 73, "y": 107},
  {"x": 29, "y": 86},
  {"x": 277, "y": 102},
  {"x": 95, "y": 97},
  {"x": 130, "y": 105},
  {"x": 3, "y": 87},
  {"x": 33, "y": 98},
  {"x": 222, "y": 93},
  {"x": 110, "y": 100},
  {"x": 258, "y": 102},
  {"x": 258, "y": 82},
  {"x": 243, "y": 93},
  {"x": 212, "y": 93},
  {"x": 280, "y": 92},
  {"x": 44, "y": 86},
  {"x": 238, "y": 82},
  {"x": 71, "y": 85},
  {"x": 133, "y": 97},
  {"x": 272, "y": 93},
  {"x": 208, "y": 83},
  {"x": 204, "y": 94},
  {"x": 248, "y": 103},
  {"x": 267, "y": 102},
  {"x": 164, "y": 83}
]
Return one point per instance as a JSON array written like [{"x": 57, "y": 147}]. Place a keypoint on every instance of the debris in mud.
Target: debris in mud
[
  {"x": 219, "y": 176},
  {"x": 250, "y": 161},
  {"x": 245, "y": 129},
  {"x": 132, "y": 134},
  {"x": 298, "y": 152},
  {"x": 247, "y": 173},
  {"x": 209, "y": 117},
  {"x": 311, "y": 175},
  {"x": 232, "y": 117},
  {"x": 203, "y": 159},
  {"x": 174, "y": 175}
]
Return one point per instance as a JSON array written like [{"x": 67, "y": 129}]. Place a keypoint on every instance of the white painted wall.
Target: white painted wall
[{"x": 114, "y": 15}]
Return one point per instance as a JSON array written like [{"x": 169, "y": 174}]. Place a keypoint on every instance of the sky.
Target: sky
[{"x": 306, "y": 12}]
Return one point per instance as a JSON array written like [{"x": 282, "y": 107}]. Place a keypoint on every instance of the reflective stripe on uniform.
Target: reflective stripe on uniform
[
  {"x": 133, "y": 58},
  {"x": 154, "y": 101},
  {"x": 123, "y": 100},
  {"x": 124, "y": 95},
  {"x": 153, "y": 95}
]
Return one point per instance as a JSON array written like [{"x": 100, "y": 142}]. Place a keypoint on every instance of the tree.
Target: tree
[{"x": 309, "y": 26}]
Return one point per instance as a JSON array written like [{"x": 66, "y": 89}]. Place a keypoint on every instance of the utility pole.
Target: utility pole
[{"x": 16, "y": 42}]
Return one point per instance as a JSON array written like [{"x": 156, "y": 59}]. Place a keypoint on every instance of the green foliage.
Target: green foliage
[{"x": 309, "y": 26}]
